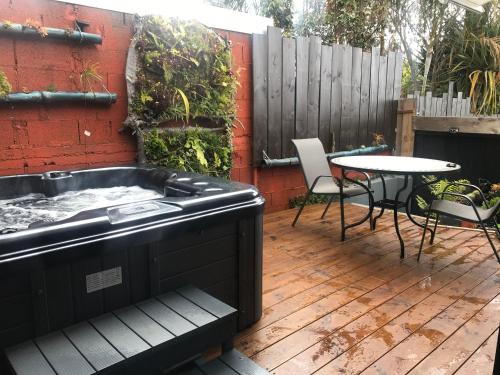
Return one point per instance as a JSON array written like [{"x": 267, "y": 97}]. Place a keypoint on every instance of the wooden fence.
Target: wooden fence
[
  {"x": 305, "y": 89},
  {"x": 432, "y": 106}
]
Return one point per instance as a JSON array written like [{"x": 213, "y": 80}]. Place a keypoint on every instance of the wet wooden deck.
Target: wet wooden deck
[{"x": 354, "y": 307}]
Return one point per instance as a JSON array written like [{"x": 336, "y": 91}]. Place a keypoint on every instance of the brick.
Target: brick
[
  {"x": 242, "y": 38},
  {"x": 63, "y": 132},
  {"x": 20, "y": 131},
  {"x": 246, "y": 175},
  {"x": 7, "y": 48},
  {"x": 44, "y": 55},
  {"x": 95, "y": 132},
  {"x": 45, "y": 152},
  {"x": 6, "y": 134},
  {"x": 244, "y": 108},
  {"x": 39, "y": 79},
  {"x": 235, "y": 174}
]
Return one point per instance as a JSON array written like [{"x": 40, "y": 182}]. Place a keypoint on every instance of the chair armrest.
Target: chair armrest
[
  {"x": 367, "y": 177},
  {"x": 473, "y": 187},
  {"x": 318, "y": 178}
]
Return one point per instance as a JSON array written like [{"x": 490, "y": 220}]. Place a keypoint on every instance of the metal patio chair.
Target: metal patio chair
[
  {"x": 319, "y": 178},
  {"x": 467, "y": 212}
]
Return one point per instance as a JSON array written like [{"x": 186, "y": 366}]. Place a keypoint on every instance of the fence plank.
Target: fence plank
[
  {"x": 345, "y": 114},
  {"x": 417, "y": 101},
  {"x": 364, "y": 106},
  {"x": 313, "y": 86},
  {"x": 381, "y": 93},
  {"x": 459, "y": 104},
  {"x": 433, "y": 107},
  {"x": 439, "y": 105},
  {"x": 428, "y": 103},
  {"x": 325, "y": 96},
  {"x": 336, "y": 102},
  {"x": 444, "y": 104},
  {"x": 259, "y": 70},
  {"x": 301, "y": 87},
  {"x": 274, "y": 69},
  {"x": 467, "y": 108},
  {"x": 288, "y": 98},
  {"x": 357, "y": 56},
  {"x": 454, "y": 107},
  {"x": 388, "y": 128},
  {"x": 374, "y": 72},
  {"x": 450, "y": 99}
]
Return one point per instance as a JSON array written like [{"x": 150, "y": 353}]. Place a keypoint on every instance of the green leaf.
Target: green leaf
[{"x": 185, "y": 101}]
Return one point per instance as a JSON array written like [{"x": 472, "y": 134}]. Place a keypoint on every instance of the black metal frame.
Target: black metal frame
[
  {"x": 384, "y": 203},
  {"x": 341, "y": 194},
  {"x": 479, "y": 221}
]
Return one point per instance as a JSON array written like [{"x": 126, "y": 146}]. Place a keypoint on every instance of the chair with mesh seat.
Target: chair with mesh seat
[
  {"x": 319, "y": 178},
  {"x": 467, "y": 212}
]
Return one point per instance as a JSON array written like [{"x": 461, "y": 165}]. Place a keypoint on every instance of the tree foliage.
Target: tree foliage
[
  {"x": 356, "y": 22},
  {"x": 239, "y": 5},
  {"x": 281, "y": 11}
]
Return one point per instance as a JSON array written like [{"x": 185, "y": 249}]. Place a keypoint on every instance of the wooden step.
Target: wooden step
[
  {"x": 231, "y": 362},
  {"x": 150, "y": 336}
]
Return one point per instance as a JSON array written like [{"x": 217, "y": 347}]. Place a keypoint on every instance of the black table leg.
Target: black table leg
[
  {"x": 396, "y": 222},
  {"x": 384, "y": 197}
]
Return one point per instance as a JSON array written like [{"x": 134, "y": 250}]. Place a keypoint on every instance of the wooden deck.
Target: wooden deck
[{"x": 354, "y": 307}]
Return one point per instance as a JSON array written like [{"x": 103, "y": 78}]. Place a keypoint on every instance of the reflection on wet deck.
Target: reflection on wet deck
[{"x": 354, "y": 307}]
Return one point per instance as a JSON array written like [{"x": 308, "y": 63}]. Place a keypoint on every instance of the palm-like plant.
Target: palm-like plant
[{"x": 475, "y": 61}]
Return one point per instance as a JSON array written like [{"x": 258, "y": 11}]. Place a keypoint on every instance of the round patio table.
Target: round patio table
[{"x": 391, "y": 165}]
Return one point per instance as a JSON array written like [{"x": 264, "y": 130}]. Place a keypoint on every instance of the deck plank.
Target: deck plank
[
  {"x": 332, "y": 306},
  {"x": 481, "y": 362},
  {"x": 26, "y": 358},
  {"x": 92, "y": 345},
  {"x": 62, "y": 355}
]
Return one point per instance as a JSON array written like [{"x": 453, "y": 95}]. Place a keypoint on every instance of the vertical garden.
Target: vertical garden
[{"x": 181, "y": 95}]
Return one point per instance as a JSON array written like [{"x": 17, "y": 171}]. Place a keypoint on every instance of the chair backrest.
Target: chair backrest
[{"x": 312, "y": 159}]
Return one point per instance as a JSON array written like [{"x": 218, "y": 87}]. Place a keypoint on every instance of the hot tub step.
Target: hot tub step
[
  {"x": 150, "y": 336},
  {"x": 230, "y": 363}
]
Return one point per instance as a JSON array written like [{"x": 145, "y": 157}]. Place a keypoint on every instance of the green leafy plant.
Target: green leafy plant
[
  {"x": 296, "y": 202},
  {"x": 91, "y": 76},
  {"x": 192, "y": 149},
  {"x": 184, "y": 72},
  {"x": 436, "y": 189},
  {"x": 5, "y": 86}
]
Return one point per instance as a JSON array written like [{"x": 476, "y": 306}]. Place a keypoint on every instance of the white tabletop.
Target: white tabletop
[{"x": 395, "y": 164}]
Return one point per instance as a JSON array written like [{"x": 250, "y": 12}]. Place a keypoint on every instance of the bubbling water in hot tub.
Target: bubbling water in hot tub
[{"x": 18, "y": 213}]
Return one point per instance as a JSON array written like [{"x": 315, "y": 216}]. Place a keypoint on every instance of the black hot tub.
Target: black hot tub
[{"x": 74, "y": 245}]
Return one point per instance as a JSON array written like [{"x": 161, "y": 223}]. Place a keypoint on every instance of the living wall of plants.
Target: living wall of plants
[{"x": 183, "y": 101}]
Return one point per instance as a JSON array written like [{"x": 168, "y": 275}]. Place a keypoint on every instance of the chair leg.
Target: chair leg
[
  {"x": 433, "y": 234},
  {"x": 301, "y": 208},
  {"x": 490, "y": 241},
  {"x": 342, "y": 219},
  {"x": 327, "y": 206},
  {"x": 423, "y": 236},
  {"x": 497, "y": 229}
]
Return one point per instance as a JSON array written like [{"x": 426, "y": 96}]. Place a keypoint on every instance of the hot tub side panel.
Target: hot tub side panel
[{"x": 221, "y": 255}]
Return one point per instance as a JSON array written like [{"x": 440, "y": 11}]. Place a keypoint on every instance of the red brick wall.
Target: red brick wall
[{"x": 36, "y": 138}]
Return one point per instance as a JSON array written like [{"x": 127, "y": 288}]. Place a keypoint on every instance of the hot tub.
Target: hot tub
[{"x": 74, "y": 245}]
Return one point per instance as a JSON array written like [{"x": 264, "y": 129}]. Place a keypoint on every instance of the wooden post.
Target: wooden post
[{"x": 404, "y": 130}]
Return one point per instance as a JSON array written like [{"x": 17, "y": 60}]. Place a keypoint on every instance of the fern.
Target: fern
[{"x": 438, "y": 187}]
